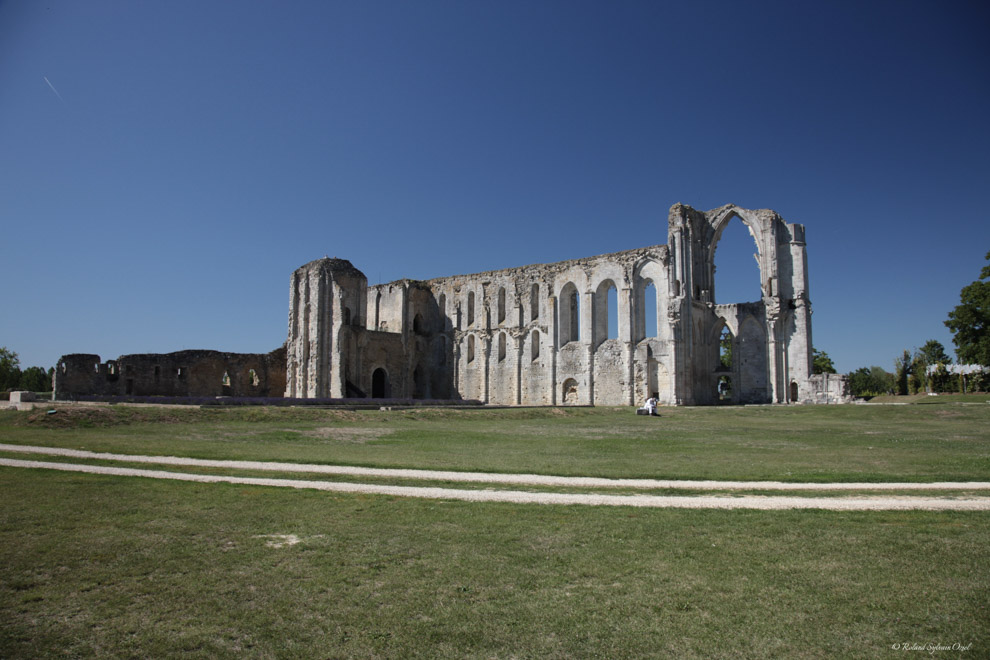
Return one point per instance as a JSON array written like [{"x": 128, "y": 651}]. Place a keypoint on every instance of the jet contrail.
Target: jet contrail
[{"x": 54, "y": 90}]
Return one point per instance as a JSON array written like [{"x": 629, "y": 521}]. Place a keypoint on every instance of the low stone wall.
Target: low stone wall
[
  {"x": 828, "y": 388},
  {"x": 184, "y": 373}
]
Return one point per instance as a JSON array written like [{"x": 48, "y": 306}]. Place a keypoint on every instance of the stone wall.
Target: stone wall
[
  {"x": 572, "y": 332},
  {"x": 825, "y": 388},
  {"x": 184, "y": 373}
]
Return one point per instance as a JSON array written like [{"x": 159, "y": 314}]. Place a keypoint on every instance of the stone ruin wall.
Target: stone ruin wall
[
  {"x": 538, "y": 335},
  {"x": 180, "y": 374}
]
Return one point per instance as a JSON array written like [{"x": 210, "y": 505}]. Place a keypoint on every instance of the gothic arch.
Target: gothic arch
[
  {"x": 646, "y": 273},
  {"x": 761, "y": 227},
  {"x": 569, "y": 314},
  {"x": 602, "y": 312}
]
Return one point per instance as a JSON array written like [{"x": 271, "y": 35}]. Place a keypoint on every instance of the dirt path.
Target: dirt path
[
  {"x": 521, "y": 497},
  {"x": 490, "y": 477},
  {"x": 850, "y": 503}
]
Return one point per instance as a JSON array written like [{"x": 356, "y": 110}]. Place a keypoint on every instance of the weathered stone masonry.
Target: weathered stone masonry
[
  {"x": 538, "y": 335},
  {"x": 180, "y": 374}
]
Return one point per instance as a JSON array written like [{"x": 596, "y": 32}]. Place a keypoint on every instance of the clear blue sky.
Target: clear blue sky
[{"x": 165, "y": 166}]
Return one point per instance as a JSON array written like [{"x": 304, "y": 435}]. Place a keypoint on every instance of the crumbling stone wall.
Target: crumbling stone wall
[
  {"x": 572, "y": 332},
  {"x": 184, "y": 373},
  {"x": 827, "y": 388}
]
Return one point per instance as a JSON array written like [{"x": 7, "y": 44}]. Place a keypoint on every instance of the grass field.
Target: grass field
[{"x": 115, "y": 566}]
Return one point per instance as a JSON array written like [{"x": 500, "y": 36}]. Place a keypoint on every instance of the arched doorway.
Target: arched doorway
[
  {"x": 724, "y": 389},
  {"x": 380, "y": 387}
]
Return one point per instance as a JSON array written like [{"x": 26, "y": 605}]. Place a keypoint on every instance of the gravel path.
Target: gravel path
[
  {"x": 520, "y": 497},
  {"x": 493, "y": 478},
  {"x": 851, "y": 503}
]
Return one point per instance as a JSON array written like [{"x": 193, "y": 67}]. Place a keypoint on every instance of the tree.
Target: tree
[
  {"x": 10, "y": 369},
  {"x": 35, "y": 379},
  {"x": 970, "y": 321},
  {"x": 821, "y": 362},
  {"x": 872, "y": 381},
  {"x": 932, "y": 354},
  {"x": 902, "y": 367}
]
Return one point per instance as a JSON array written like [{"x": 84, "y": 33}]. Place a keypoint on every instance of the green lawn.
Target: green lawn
[
  {"x": 800, "y": 443},
  {"x": 99, "y": 566}
]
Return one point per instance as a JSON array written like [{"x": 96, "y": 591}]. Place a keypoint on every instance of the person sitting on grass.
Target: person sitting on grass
[{"x": 651, "y": 405}]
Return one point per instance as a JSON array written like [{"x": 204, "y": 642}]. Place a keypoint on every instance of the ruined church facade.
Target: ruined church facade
[{"x": 540, "y": 334}]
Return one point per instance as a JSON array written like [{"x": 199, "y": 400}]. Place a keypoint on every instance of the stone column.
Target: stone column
[
  {"x": 588, "y": 338},
  {"x": 519, "y": 359},
  {"x": 627, "y": 334},
  {"x": 486, "y": 347},
  {"x": 553, "y": 325}
]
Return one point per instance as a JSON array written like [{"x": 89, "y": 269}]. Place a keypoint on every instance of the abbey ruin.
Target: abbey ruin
[
  {"x": 539, "y": 335},
  {"x": 534, "y": 335}
]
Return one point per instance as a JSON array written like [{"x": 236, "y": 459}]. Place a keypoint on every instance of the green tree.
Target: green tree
[
  {"x": 970, "y": 321},
  {"x": 872, "y": 381},
  {"x": 902, "y": 370},
  {"x": 35, "y": 379},
  {"x": 933, "y": 354},
  {"x": 10, "y": 369},
  {"x": 821, "y": 362}
]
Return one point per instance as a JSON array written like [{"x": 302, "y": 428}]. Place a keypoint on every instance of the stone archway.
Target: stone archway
[{"x": 380, "y": 386}]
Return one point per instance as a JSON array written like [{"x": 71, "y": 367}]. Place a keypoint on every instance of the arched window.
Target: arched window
[
  {"x": 737, "y": 270},
  {"x": 501, "y": 347},
  {"x": 606, "y": 312},
  {"x": 470, "y": 348},
  {"x": 470, "y": 315},
  {"x": 442, "y": 304},
  {"x": 534, "y": 346},
  {"x": 725, "y": 346},
  {"x": 418, "y": 326},
  {"x": 347, "y": 316},
  {"x": 501, "y": 305},
  {"x": 378, "y": 310},
  {"x": 612, "y": 299},
  {"x": 570, "y": 314},
  {"x": 534, "y": 302},
  {"x": 646, "y": 310}
]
